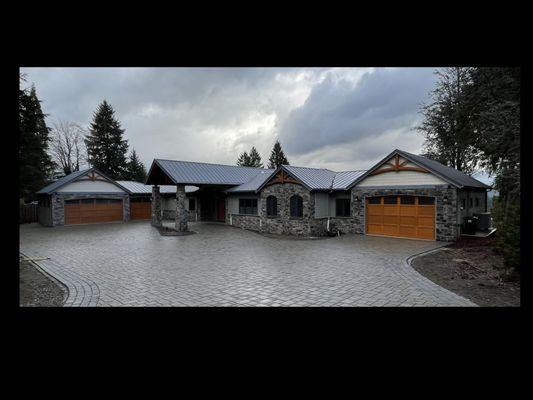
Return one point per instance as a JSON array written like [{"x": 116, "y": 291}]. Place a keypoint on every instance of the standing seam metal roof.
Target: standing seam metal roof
[
  {"x": 63, "y": 181},
  {"x": 460, "y": 178},
  {"x": 140, "y": 188},
  {"x": 202, "y": 173}
]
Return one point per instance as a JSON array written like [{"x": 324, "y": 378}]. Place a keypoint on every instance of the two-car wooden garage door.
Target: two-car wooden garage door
[
  {"x": 89, "y": 211},
  {"x": 403, "y": 216}
]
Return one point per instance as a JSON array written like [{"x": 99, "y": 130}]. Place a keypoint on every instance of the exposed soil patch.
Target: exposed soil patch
[
  {"x": 473, "y": 269},
  {"x": 37, "y": 289}
]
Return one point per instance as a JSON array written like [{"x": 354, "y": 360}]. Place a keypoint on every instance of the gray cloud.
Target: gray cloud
[
  {"x": 338, "y": 112},
  {"x": 339, "y": 118}
]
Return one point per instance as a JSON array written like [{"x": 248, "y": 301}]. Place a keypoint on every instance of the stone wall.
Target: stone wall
[
  {"x": 58, "y": 204},
  {"x": 182, "y": 209},
  {"x": 171, "y": 215},
  {"x": 283, "y": 224},
  {"x": 250, "y": 222},
  {"x": 446, "y": 208}
]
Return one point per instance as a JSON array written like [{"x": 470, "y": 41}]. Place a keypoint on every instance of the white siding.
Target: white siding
[
  {"x": 401, "y": 178},
  {"x": 91, "y": 186},
  {"x": 321, "y": 205}
]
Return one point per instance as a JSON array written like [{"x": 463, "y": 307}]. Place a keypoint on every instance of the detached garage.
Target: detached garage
[{"x": 83, "y": 197}]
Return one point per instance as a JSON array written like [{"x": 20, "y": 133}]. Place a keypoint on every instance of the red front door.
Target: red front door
[{"x": 221, "y": 209}]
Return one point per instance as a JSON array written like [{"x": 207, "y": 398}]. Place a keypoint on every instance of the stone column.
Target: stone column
[
  {"x": 156, "y": 206},
  {"x": 182, "y": 214}
]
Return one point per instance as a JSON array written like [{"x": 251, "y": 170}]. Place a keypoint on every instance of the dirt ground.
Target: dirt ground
[
  {"x": 473, "y": 269},
  {"x": 38, "y": 290}
]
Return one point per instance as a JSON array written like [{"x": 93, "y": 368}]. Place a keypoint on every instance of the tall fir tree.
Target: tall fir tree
[
  {"x": 35, "y": 164},
  {"x": 255, "y": 158},
  {"x": 106, "y": 148},
  {"x": 243, "y": 160},
  {"x": 277, "y": 157},
  {"x": 136, "y": 170}
]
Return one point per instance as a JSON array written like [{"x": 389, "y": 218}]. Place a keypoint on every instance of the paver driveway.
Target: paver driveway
[{"x": 131, "y": 264}]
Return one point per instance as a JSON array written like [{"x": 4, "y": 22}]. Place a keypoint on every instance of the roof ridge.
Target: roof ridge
[
  {"x": 201, "y": 162},
  {"x": 318, "y": 169}
]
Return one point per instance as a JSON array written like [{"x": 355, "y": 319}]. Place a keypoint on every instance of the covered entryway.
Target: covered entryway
[
  {"x": 91, "y": 211},
  {"x": 401, "y": 216},
  {"x": 140, "y": 208}
]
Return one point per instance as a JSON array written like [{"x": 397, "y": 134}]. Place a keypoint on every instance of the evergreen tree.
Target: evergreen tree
[
  {"x": 243, "y": 160},
  {"x": 106, "y": 148},
  {"x": 277, "y": 157},
  {"x": 35, "y": 165},
  {"x": 255, "y": 158},
  {"x": 447, "y": 125},
  {"x": 135, "y": 170},
  {"x": 495, "y": 104}
]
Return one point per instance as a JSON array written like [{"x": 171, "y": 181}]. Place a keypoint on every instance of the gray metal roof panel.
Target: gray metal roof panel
[
  {"x": 204, "y": 173},
  {"x": 140, "y": 188},
  {"x": 253, "y": 184},
  {"x": 62, "y": 181},
  {"x": 452, "y": 174},
  {"x": 314, "y": 178},
  {"x": 345, "y": 178}
]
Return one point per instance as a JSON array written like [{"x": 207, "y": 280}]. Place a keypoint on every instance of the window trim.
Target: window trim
[{"x": 244, "y": 208}]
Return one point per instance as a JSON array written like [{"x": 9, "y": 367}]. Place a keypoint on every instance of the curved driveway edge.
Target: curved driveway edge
[
  {"x": 81, "y": 292},
  {"x": 430, "y": 287}
]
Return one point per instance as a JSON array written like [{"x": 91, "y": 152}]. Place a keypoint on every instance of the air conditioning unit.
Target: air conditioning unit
[{"x": 484, "y": 221}]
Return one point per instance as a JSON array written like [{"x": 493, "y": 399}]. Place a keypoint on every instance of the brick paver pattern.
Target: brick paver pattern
[{"x": 131, "y": 264}]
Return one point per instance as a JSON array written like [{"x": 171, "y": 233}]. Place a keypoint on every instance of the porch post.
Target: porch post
[
  {"x": 156, "y": 206},
  {"x": 182, "y": 214}
]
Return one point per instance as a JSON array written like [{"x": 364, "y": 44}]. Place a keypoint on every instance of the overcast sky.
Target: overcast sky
[{"x": 337, "y": 118}]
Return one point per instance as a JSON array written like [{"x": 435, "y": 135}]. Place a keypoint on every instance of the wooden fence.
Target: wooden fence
[{"x": 28, "y": 213}]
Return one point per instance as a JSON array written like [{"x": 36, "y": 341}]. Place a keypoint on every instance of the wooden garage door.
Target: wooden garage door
[
  {"x": 91, "y": 211},
  {"x": 402, "y": 216},
  {"x": 140, "y": 208}
]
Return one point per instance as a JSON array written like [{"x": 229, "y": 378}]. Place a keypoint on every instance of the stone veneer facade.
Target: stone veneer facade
[
  {"x": 445, "y": 200},
  {"x": 57, "y": 202},
  {"x": 182, "y": 212}
]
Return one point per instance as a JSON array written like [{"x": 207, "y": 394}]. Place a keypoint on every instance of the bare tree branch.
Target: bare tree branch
[{"x": 66, "y": 145}]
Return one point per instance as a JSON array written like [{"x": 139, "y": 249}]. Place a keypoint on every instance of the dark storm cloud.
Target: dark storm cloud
[
  {"x": 338, "y": 112},
  {"x": 339, "y": 118}
]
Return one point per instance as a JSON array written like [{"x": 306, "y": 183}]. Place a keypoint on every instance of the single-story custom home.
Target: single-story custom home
[{"x": 403, "y": 195}]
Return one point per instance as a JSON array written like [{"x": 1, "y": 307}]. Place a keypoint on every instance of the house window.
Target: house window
[
  {"x": 374, "y": 200},
  {"x": 471, "y": 202},
  {"x": 477, "y": 201},
  {"x": 426, "y": 201},
  {"x": 390, "y": 200},
  {"x": 248, "y": 206},
  {"x": 72, "y": 201},
  {"x": 192, "y": 204},
  {"x": 342, "y": 207},
  {"x": 464, "y": 203},
  {"x": 297, "y": 207},
  {"x": 407, "y": 200},
  {"x": 272, "y": 206}
]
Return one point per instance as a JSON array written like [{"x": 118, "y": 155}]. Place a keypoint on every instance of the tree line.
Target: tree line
[
  {"x": 253, "y": 159},
  {"x": 473, "y": 121},
  {"x": 67, "y": 146}
]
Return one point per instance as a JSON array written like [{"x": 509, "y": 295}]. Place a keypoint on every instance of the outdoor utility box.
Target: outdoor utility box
[
  {"x": 483, "y": 221},
  {"x": 470, "y": 225}
]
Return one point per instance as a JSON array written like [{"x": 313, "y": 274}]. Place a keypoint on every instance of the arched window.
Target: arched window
[
  {"x": 272, "y": 206},
  {"x": 297, "y": 208}
]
